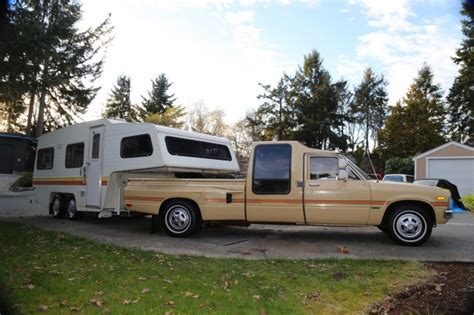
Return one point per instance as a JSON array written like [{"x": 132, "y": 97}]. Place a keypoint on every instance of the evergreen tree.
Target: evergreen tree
[
  {"x": 369, "y": 105},
  {"x": 57, "y": 63},
  {"x": 316, "y": 102},
  {"x": 171, "y": 117},
  {"x": 415, "y": 124},
  {"x": 119, "y": 105},
  {"x": 276, "y": 110},
  {"x": 461, "y": 95},
  {"x": 158, "y": 99}
]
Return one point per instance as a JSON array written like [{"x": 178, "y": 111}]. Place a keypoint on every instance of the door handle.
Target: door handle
[{"x": 314, "y": 184}]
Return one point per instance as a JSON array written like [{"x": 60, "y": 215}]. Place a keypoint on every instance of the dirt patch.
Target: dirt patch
[{"x": 451, "y": 291}]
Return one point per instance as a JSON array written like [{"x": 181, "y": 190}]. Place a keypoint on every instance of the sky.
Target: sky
[{"x": 217, "y": 51}]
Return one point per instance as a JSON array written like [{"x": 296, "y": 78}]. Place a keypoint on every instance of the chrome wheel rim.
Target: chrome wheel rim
[
  {"x": 71, "y": 208},
  {"x": 178, "y": 219},
  {"x": 410, "y": 226},
  {"x": 56, "y": 207}
]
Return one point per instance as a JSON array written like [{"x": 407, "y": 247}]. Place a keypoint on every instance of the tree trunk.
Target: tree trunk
[
  {"x": 42, "y": 103},
  {"x": 30, "y": 113}
]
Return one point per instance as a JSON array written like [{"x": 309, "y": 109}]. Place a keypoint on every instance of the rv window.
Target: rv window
[
  {"x": 136, "y": 146},
  {"x": 74, "y": 155},
  {"x": 272, "y": 169},
  {"x": 198, "y": 149},
  {"x": 96, "y": 146},
  {"x": 45, "y": 159}
]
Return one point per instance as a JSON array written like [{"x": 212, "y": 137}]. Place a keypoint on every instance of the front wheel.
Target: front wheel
[
  {"x": 410, "y": 225},
  {"x": 57, "y": 208},
  {"x": 181, "y": 218}
]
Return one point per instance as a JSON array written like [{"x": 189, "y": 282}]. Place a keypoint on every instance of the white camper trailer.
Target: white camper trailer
[{"x": 84, "y": 167}]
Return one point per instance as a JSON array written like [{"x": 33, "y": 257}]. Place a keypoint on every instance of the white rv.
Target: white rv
[{"x": 84, "y": 167}]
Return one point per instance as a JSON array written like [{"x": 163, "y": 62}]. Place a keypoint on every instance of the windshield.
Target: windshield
[{"x": 357, "y": 170}]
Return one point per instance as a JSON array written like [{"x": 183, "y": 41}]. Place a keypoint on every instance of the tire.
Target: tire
[
  {"x": 71, "y": 210},
  {"x": 382, "y": 228},
  {"x": 181, "y": 218},
  {"x": 410, "y": 225},
  {"x": 57, "y": 207}
]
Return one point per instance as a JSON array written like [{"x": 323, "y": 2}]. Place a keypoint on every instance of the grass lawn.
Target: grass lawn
[{"x": 51, "y": 272}]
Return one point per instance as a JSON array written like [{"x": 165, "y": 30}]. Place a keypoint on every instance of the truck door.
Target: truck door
[
  {"x": 272, "y": 194},
  {"x": 328, "y": 200},
  {"x": 93, "y": 170}
]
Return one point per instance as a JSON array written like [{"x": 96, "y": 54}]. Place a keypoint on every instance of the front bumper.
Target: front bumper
[{"x": 448, "y": 214}]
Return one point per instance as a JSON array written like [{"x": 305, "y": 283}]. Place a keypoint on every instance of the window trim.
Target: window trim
[
  {"x": 52, "y": 162},
  {"x": 83, "y": 153},
  {"x": 136, "y": 156},
  {"x": 289, "y": 173},
  {"x": 228, "y": 153}
]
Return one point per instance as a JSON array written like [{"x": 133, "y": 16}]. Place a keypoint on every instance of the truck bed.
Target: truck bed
[{"x": 217, "y": 199}]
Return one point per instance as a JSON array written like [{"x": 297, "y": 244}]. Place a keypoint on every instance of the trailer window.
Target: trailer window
[
  {"x": 272, "y": 169},
  {"x": 136, "y": 146},
  {"x": 45, "y": 159},
  {"x": 95, "y": 146},
  {"x": 75, "y": 155},
  {"x": 198, "y": 149}
]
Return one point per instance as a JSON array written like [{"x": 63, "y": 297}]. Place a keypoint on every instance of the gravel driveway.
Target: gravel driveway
[{"x": 451, "y": 242}]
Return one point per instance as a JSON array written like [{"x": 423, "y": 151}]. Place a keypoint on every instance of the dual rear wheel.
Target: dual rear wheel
[{"x": 65, "y": 207}]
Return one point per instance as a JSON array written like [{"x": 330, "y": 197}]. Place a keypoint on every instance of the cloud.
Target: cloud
[{"x": 401, "y": 45}]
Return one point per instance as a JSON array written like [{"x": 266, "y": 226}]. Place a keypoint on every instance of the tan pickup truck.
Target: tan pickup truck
[{"x": 288, "y": 183}]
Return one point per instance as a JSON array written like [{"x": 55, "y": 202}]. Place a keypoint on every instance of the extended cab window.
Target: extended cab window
[
  {"x": 198, "y": 149},
  {"x": 45, "y": 159},
  {"x": 272, "y": 169},
  {"x": 136, "y": 146},
  {"x": 324, "y": 168},
  {"x": 74, "y": 155}
]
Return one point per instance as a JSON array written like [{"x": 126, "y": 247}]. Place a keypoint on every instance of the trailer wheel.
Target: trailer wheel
[
  {"x": 57, "y": 207},
  {"x": 71, "y": 210},
  {"x": 181, "y": 218},
  {"x": 410, "y": 225}
]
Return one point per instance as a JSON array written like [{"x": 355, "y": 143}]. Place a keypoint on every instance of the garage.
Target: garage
[{"x": 452, "y": 161}]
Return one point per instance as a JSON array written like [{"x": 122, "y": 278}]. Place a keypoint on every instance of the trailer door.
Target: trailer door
[{"x": 94, "y": 167}]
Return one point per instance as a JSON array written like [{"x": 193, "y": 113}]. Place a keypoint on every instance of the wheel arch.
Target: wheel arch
[{"x": 424, "y": 205}]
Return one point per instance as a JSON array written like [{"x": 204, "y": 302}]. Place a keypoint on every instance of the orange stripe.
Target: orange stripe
[
  {"x": 439, "y": 204},
  {"x": 144, "y": 198},
  {"x": 58, "y": 182},
  {"x": 347, "y": 202},
  {"x": 222, "y": 200}
]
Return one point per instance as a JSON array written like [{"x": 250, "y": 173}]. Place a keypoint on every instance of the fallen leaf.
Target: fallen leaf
[
  {"x": 30, "y": 286},
  {"x": 63, "y": 303},
  {"x": 257, "y": 297},
  {"x": 42, "y": 308},
  {"x": 236, "y": 282},
  {"x": 312, "y": 266},
  {"x": 168, "y": 313},
  {"x": 146, "y": 290},
  {"x": 141, "y": 278},
  {"x": 187, "y": 293},
  {"x": 75, "y": 309},
  {"x": 96, "y": 302},
  {"x": 167, "y": 280},
  {"x": 135, "y": 301},
  {"x": 100, "y": 292},
  {"x": 126, "y": 302},
  {"x": 170, "y": 303},
  {"x": 315, "y": 296},
  {"x": 226, "y": 285}
]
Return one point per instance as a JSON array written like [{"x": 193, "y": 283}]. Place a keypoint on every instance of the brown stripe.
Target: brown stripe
[
  {"x": 144, "y": 198},
  {"x": 222, "y": 200},
  {"x": 347, "y": 202}
]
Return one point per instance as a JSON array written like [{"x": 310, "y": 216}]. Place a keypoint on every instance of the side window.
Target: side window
[
  {"x": 74, "y": 155},
  {"x": 95, "y": 146},
  {"x": 197, "y": 149},
  {"x": 272, "y": 169},
  {"x": 136, "y": 146},
  {"x": 45, "y": 159},
  {"x": 324, "y": 168}
]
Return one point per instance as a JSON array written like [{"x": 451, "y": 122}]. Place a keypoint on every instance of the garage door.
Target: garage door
[{"x": 458, "y": 171}]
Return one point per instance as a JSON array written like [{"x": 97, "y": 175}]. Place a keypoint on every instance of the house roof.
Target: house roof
[{"x": 442, "y": 147}]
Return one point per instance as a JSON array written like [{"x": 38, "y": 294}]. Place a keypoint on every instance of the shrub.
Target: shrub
[
  {"x": 468, "y": 201},
  {"x": 399, "y": 166}
]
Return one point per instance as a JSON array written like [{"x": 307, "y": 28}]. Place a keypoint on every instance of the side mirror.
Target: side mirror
[{"x": 342, "y": 175}]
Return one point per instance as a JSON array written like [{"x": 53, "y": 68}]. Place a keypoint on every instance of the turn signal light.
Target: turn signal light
[{"x": 440, "y": 198}]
